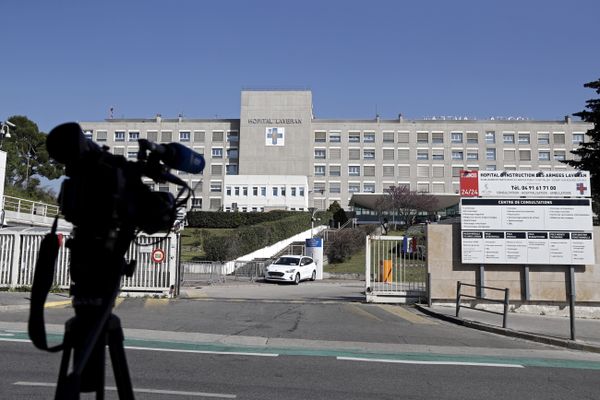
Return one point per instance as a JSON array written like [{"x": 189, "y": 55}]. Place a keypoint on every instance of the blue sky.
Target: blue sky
[{"x": 73, "y": 60}]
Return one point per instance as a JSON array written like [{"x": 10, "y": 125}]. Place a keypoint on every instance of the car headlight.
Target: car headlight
[{"x": 289, "y": 271}]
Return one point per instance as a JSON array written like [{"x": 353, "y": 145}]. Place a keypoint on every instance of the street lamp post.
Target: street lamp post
[{"x": 5, "y": 131}]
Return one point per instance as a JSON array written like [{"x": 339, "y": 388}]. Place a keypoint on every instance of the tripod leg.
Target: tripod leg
[
  {"x": 67, "y": 387},
  {"x": 117, "y": 357}
]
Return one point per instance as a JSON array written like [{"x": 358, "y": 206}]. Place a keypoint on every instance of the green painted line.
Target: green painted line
[{"x": 295, "y": 351}]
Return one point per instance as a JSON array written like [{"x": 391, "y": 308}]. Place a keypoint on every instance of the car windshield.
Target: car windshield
[{"x": 287, "y": 261}]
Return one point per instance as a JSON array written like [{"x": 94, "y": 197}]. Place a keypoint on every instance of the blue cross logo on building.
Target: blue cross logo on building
[{"x": 275, "y": 137}]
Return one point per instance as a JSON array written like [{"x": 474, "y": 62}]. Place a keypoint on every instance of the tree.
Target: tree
[
  {"x": 339, "y": 215},
  {"x": 587, "y": 156},
  {"x": 27, "y": 156},
  {"x": 406, "y": 203}
]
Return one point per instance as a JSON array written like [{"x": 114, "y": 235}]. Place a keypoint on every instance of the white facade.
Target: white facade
[{"x": 265, "y": 192}]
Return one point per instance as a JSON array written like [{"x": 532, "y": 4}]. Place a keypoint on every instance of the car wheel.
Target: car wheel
[
  {"x": 313, "y": 276},
  {"x": 297, "y": 278}
]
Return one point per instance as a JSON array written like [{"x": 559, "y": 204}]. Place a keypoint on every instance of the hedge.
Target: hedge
[
  {"x": 220, "y": 219},
  {"x": 247, "y": 239}
]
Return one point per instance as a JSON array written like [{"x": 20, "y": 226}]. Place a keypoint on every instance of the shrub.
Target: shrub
[{"x": 345, "y": 243}]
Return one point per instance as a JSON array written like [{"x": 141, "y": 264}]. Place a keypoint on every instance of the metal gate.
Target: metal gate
[
  {"x": 19, "y": 249},
  {"x": 396, "y": 269}
]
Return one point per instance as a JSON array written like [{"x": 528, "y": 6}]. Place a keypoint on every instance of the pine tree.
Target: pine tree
[{"x": 587, "y": 156}]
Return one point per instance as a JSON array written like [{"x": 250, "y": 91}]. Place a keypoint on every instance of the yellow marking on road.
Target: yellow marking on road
[
  {"x": 118, "y": 301},
  {"x": 151, "y": 303},
  {"x": 362, "y": 312},
  {"x": 403, "y": 313},
  {"x": 60, "y": 303}
]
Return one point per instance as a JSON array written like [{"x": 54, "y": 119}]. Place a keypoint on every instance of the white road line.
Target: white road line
[
  {"x": 7, "y": 334},
  {"x": 3, "y": 339},
  {"x": 236, "y": 353},
  {"x": 474, "y": 364},
  {"x": 153, "y": 391}
]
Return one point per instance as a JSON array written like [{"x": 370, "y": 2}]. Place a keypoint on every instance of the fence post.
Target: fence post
[
  {"x": 14, "y": 261},
  {"x": 457, "y": 298},
  {"x": 506, "y": 297}
]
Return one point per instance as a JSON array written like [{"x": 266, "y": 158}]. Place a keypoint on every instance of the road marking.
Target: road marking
[
  {"x": 458, "y": 363},
  {"x": 141, "y": 390},
  {"x": 60, "y": 303},
  {"x": 405, "y": 314},
  {"x": 229, "y": 353},
  {"x": 7, "y": 334},
  {"x": 362, "y": 312}
]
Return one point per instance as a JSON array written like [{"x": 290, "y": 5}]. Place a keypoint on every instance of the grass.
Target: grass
[{"x": 191, "y": 242}]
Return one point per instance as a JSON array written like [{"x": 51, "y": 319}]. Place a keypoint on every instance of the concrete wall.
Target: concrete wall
[{"x": 548, "y": 283}]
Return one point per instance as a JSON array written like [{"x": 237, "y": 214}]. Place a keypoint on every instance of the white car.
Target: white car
[{"x": 291, "y": 268}]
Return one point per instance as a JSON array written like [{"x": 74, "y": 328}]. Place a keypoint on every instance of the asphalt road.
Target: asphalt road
[{"x": 302, "y": 347}]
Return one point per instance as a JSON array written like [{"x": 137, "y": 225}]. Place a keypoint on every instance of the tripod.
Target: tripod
[{"x": 86, "y": 335}]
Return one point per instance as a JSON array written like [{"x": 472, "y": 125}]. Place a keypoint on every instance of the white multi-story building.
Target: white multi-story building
[{"x": 278, "y": 155}]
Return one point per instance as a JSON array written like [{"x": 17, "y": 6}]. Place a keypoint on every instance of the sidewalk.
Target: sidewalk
[
  {"x": 14, "y": 301},
  {"x": 540, "y": 328}
]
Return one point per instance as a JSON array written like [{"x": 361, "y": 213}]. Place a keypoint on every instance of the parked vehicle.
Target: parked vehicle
[{"x": 291, "y": 268}]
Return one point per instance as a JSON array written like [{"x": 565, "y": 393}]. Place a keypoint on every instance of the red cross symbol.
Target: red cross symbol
[{"x": 581, "y": 188}]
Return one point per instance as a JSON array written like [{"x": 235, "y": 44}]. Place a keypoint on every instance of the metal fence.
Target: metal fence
[
  {"x": 395, "y": 269},
  {"x": 202, "y": 273},
  {"x": 19, "y": 250}
]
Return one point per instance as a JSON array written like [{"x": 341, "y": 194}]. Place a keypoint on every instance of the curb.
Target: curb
[{"x": 554, "y": 341}]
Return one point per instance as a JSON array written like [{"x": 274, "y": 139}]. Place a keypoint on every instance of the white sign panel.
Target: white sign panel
[
  {"x": 532, "y": 184},
  {"x": 527, "y": 231}
]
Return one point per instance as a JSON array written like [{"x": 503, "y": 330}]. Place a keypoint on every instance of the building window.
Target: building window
[
  {"x": 199, "y": 136},
  {"x": 335, "y": 187},
  {"x": 578, "y": 138},
  {"x": 369, "y": 170},
  {"x": 166, "y": 136},
  {"x": 245, "y": 191},
  {"x": 369, "y": 137},
  {"x": 457, "y": 155},
  {"x": 217, "y": 152},
  {"x": 354, "y": 170},
  {"x": 403, "y": 137},
  {"x": 490, "y": 167},
  {"x": 215, "y": 187},
  {"x": 388, "y": 154},
  {"x": 320, "y": 154},
  {"x": 320, "y": 137},
  {"x": 423, "y": 171},
  {"x": 232, "y": 153},
  {"x": 403, "y": 171},
  {"x": 184, "y": 136},
  {"x": 354, "y": 154},
  {"x": 217, "y": 136},
  {"x": 422, "y": 154},
  {"x": 152, "y": 136},
  {"x": 263, "y": 191},
  {"x": 472, "y": 138},
  {"x": 369, "y": 154},
  {"x": 301, "y": 191},
  {"x": 354, "y": 137},
  {"x": 335, "y": 153},
  {"x": 472, "y": 155},
  {"x": 559, "y": 138},
  {"x": 228, "y": 190},
  {"x": 422, "y": 187},
  {"x": 403, "y": 154},
  {"x": 232, "y": 169},
  {"x": 236, "y": 190},
  {"x": 422, "y": 137},
  {"x": 525, "y": 155},
  {"x": 216, "y": 169},
  {"x": 509, "y": 155},
  {"x": 456, "y": 137},
  {"x": 335, "y": 137},
  {"x": 233, "y": 136},
  {"x": 490, "y": 137},
  {"x": 254, "y": 190},
  {"x": 101, "y": 136},
  {"x": 544, "y": 155},
  {"x": 133, "y": 136},
  {"x": 275, "y": 191},
  {"x": 508, "y": 138},
  {"x": 438, "y": 171},
  {"x": 490, "y": 154},
  {"x": 388, "y": 137},
  {"x": 334, "y": 170},
  {"x": 524, "y": 138},
  {"x": 456, "y": 171},
  {"x": 543, "y": 138},
  {"x": 437, "y": 155},
  {"x": 368, "y": 187},
  {"x": 319, "y": 170},
  {"x": 353, "y": 187},
  {"x": 559, "y": 155},
  {"x": 388, "y": 170},
  {"x": 132, "y": 155},
  {"x": 119, "y": 136},
  {"x": 437, "y": 137}
]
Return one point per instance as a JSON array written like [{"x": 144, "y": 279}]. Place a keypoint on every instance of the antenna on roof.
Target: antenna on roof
[{"x": 110, "y": 113}]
